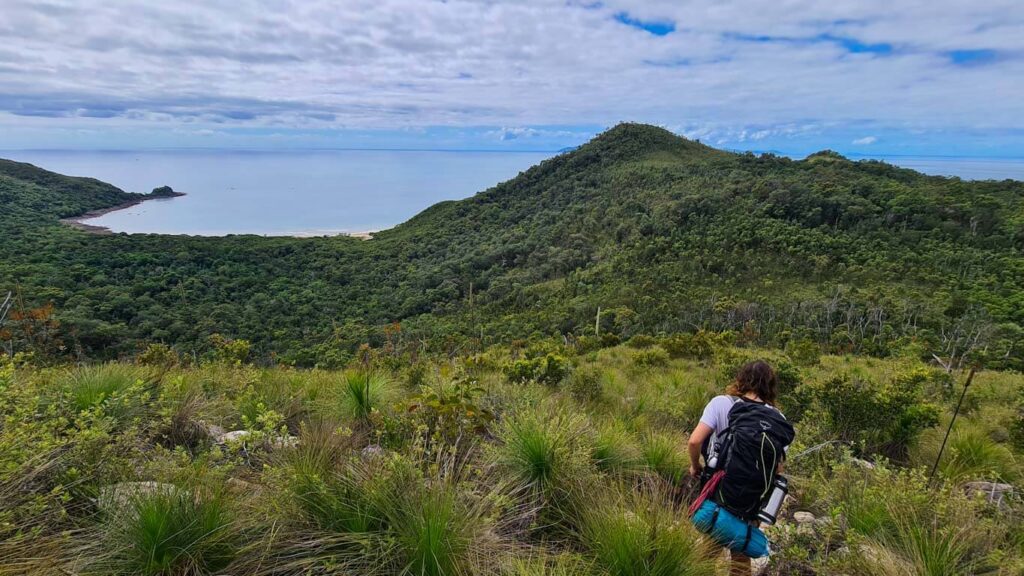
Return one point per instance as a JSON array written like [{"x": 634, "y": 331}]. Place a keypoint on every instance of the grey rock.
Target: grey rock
[
  {"x": 372, "y": 451},
  {"x": 863, "y": 463},
  {"x": 803, "y": 517},
  {"x": 233, "y": 436},
  {"x": 993, "y": 492}
]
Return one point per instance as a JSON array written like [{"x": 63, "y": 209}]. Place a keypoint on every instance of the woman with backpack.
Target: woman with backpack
[{"x": 742, "y": 438}]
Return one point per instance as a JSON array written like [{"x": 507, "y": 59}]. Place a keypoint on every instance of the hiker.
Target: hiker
[{"x": 742, "y": 438}]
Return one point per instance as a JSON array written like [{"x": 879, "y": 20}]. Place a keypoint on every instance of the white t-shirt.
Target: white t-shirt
[{"x": 716, "y": 416}]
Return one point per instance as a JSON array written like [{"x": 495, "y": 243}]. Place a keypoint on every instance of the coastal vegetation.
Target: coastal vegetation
[
  {"x": 662, "y": 234},
  {"x": 503, "y": 385},
  {"x": 458, "y": 466}
]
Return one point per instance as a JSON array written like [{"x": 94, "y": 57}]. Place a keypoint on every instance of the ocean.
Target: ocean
[{"x": 306, "y": 193}]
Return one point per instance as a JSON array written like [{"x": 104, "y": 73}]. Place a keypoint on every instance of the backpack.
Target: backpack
[{"x": 749, "y": 452}]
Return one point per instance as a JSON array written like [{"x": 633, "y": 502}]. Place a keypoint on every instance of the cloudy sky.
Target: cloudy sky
[{"x": 873, "y": 77}]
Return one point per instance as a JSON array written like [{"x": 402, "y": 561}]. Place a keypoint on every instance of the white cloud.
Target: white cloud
[
  {"x": 731, "y": 72},
  {"x": 865, "y": 141}
]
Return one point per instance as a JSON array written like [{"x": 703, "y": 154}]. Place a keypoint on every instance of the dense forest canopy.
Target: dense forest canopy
[{"x": 661, "y": 233}]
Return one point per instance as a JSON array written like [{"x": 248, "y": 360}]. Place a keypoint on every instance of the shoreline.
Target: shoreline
[{"x": 78, "y": 222}]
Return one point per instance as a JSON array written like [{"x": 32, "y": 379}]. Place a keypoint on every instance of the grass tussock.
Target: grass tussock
[
  {"x": 193, "y": 531},
  {"x": 643, "y": 535},
  {"x": 118, "y": 469}
]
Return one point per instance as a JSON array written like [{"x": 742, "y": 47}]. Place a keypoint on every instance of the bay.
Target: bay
[
  {"x": 282, "y": 193},
  {"x": 323, "y": 192}
]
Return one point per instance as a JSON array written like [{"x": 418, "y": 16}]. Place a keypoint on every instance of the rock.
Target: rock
[
  {"x": 284, "y": 442},
  {"x": 237, "y": 436},
  {"x": 233, "y": 436},
  {"x": 114, "y": 497},
  {"x": 993, "y": 492},
  {"x": 759, "y": 565},
  {"x": 213, "y": 431},
  {"x": 863, "y": 463},
  {"x": 241, "y": 486},
  {"x": 372, "y": 451},
  {"x": 803, "y": 518}
]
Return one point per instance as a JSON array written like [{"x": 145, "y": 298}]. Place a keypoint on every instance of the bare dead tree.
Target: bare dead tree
[{"x": 5, "y": 308}]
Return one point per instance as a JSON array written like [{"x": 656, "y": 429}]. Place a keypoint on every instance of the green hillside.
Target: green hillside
[
  {"x": 473, "y": 413},
  {"x": 663, "y": 234}
]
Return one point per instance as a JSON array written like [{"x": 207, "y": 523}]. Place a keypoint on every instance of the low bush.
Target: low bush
[
  {"x": 641, "y": 341},
  {"x": 804, "y": 352},
  {"x": 654, "y": 356},
  {"x": 701, "y": 345},
  {"x": 874, "y": 417},
  {"x": 550, "y": 370},
  {"x": 585, "y": 384}
]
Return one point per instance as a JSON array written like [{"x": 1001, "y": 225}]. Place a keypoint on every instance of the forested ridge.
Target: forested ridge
[{"x": 663, "y": 234}]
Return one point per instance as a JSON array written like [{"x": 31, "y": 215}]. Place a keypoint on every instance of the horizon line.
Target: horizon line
[{"x": 858, "y": 155}]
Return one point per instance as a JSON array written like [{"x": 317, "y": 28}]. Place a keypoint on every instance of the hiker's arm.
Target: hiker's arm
[{"x": 697, "y": 438}]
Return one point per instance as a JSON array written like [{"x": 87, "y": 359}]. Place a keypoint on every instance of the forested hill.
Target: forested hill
[
  {"x": 31, "y": 194},
  {"x": 664, "y": 234}
]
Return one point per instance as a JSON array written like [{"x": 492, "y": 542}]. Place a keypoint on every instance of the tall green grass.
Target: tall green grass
[
  {"x": 615, "y": 449},
  {"x": 542, "y": 450},
  {"x": 971, "y": 454},
  {"x": 363, "y": 392},
  {"x": 663, "y": 454},
  {"x": 643, "y": 535},
  {"x": 167, "y": 532},
  {"x": 116, "y": 388}
]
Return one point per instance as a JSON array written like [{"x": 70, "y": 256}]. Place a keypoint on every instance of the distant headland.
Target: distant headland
[{"x": 78, "y": 222}]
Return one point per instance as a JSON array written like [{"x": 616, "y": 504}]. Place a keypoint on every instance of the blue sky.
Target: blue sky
[{"x": 865, "y": 77}]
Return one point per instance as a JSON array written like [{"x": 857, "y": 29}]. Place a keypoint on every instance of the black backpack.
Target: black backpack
[{"x": 749, "y": 452}]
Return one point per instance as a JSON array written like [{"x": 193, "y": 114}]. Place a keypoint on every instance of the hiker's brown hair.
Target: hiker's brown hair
[{"x": 759, "y": 378}]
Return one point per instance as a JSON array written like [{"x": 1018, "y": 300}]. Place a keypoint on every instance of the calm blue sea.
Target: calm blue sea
[{"x": 328, "y": 192}]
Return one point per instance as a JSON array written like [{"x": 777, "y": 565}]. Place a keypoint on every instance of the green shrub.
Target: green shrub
[
  {"x": 231, "y": 351},
  {"x": 585, "y": 384},
  {"x": 550, "y": 370},
  {"x": 874, "y": 417},
  {"x": 651, "y": 357},
  {"x": 702, "y": 345},
  {"x": 448, "y": 413},
  {"x": 592, "y": 343},
  {"x": 641, "y": 341},
  {"x": 804, "y": 352},
  {"x": 160, "y": 355}
]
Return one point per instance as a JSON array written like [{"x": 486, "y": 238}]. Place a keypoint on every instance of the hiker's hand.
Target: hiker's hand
[{"x": 694, "y": 471}]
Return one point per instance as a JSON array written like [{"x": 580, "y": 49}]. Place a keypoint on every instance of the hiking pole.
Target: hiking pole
[{"x": 967, "y": 384}]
